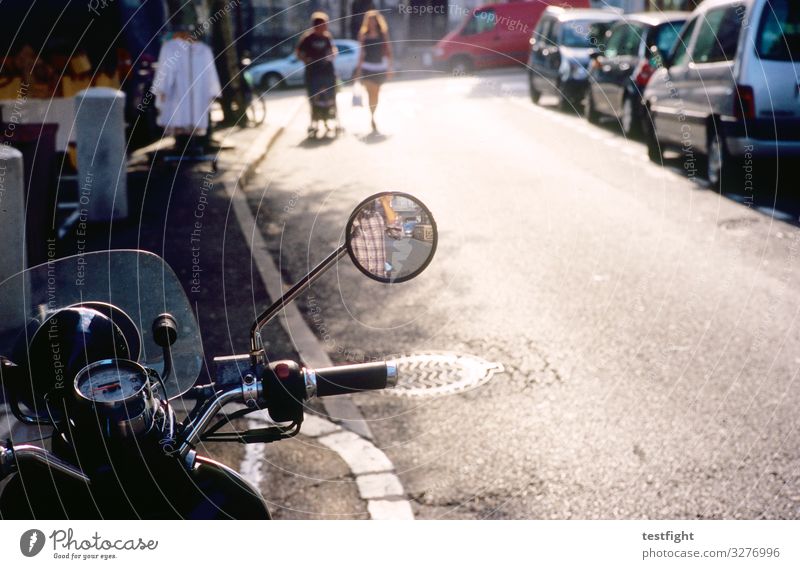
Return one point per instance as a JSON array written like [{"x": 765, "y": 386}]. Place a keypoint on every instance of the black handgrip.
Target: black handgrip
[{"x": 340, "y": 380}]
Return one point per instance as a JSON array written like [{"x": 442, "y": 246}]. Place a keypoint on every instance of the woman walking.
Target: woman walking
[
  {"x": 317, "y": 50},
  {"x": 375, "y": 58}
]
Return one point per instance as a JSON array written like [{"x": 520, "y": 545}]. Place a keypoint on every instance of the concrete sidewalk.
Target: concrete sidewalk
[{"x": 181, "y": 212}]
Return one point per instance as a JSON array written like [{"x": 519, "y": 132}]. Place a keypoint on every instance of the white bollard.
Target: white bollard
[
  {"x": 102, "y": 161},
  {"x": 12, "y": 237}
]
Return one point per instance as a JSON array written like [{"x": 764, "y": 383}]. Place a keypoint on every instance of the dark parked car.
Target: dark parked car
[
  {"x": 561, "y": 45},
  {"x": 619, "y": 73}
]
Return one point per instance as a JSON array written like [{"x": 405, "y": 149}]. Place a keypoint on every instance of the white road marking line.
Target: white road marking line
[
  {"x": 362, "y": 457},
  {"x": 379, "y": 485},
  {"x": 390, "y": 510},
  {"x": 250, "y": 467},
  {"x": 374, "y": 473}
]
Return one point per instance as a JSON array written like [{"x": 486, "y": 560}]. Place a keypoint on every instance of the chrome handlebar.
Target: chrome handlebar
[
  {"x": 281, "y": 387},
  {"x": 11, "y": 457},
  {"x": 194, "y": 429}
]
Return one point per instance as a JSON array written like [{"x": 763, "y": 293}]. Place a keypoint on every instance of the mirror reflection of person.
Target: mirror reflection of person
[{"x": 368, "y": 235}]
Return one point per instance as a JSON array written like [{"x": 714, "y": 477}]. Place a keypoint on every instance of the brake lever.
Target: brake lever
[{"x": 264, "y": 435}]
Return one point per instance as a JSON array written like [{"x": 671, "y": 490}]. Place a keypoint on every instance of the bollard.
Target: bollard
[
  {"x": 12, "y": 238},
  {"x": 102, "y": 161}
]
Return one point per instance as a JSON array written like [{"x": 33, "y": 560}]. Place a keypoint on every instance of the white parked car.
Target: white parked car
[
  {"x": 729, "y": 88},
  {"x": 289, "y": 71}
]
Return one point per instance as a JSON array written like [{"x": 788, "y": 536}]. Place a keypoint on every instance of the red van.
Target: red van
[{"x": 494, "y": 35}]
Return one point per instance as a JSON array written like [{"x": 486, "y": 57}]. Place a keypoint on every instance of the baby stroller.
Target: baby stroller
[{"x": 321, "y": 88}]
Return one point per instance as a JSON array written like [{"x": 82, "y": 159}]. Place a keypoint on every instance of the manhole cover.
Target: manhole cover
[{"x": 434, "y": 374}]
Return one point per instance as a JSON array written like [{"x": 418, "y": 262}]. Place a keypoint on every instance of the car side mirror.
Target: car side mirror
[{"x": 657, "y": 58}]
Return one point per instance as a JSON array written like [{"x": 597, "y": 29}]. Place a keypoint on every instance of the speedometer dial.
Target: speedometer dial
[{"x": 109, "y": 381}]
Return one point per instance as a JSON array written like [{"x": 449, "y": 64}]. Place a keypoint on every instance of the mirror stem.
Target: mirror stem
[{"x": 297, "y": 289}]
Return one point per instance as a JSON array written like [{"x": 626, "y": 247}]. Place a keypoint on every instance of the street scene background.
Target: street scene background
[{"x": 599, "y": 336}]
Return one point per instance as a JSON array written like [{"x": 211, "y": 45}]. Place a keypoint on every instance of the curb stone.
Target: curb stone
[{"x": 351, "y": 438}]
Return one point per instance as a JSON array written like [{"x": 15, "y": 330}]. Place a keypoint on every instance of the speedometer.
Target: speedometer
[
  {"x": 116, "y": 395},
  {"x": 111, "y": 381}
]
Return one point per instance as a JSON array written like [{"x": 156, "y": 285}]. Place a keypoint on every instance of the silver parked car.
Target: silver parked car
[
  {"x": 728, "y": 91},
  {"x": 289, "y": 71}
]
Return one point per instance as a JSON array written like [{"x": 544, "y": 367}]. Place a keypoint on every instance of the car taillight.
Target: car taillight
[
  {"x": 744, "y": 105},
  {"x": 642, "y": 73}
]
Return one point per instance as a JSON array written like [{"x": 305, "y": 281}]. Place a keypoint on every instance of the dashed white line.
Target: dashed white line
[{"x": 250, "y": 467}]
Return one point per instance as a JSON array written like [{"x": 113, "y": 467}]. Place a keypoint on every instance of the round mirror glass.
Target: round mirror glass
[{"x": 391, "y": 237}]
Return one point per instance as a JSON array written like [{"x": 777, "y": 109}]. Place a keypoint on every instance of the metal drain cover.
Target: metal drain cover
[{"x": 434, "y": 374}]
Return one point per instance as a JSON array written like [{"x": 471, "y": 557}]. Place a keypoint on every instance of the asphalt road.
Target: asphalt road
[{"x": 647, "y": 325}]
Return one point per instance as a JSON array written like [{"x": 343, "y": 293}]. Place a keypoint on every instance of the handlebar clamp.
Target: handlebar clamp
[{"x": 250, "y": 390}]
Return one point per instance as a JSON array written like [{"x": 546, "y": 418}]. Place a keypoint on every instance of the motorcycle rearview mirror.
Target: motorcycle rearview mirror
[{"x": 391, "y": 237}]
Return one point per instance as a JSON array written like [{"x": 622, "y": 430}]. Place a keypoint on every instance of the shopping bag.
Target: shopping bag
[{"x": 358, "y": 97}]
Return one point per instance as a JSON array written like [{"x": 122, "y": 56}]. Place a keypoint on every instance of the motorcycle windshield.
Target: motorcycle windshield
[{"x": 138, "y": 283}]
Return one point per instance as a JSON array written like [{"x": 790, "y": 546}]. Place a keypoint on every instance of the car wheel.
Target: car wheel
[
  {"x": 651, "y": 140},
  {"x": 588, "y": 108},
  {"x": 535, "y": 93},
  {"x": 630, "y": 120},
  {"x": 721, "y": 167},
  {"x": 270, "y": 81},
  {"x": 569, "y": 103},
  {"x": 460, "y": 65},
  {"x": 714, "y": 162}
]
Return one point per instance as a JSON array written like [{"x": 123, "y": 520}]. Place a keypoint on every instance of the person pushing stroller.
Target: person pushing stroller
[{"x": 317, "y": 50}]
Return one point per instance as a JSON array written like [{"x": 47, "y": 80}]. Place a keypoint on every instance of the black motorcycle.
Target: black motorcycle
[{"x": 96, "y": 346}]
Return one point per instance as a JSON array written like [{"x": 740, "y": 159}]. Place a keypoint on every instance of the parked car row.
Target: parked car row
[
  {"x": 620, "y": 72},
  {"x": 599, "y": 59},
  {"x": 560, "y": 49},
  {"x": 720, "y": 84}
]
